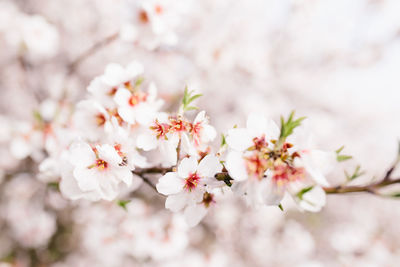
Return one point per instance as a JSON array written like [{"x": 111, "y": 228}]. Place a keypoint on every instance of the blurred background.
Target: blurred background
[{"x": 335, "y": 62}]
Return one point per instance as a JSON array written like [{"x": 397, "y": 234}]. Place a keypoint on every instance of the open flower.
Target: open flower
[
  {"x": 259, "y": 130},
  {"x": 201, "y": 131},
  {"x": 187, "y": 186},
  {"x": 265, "y": 167},
  {"x": 104, "y": 87},
  {"x": 135, "y": 106},
  {"x": 91, "y": 120},
  {"x": 94, "y": 173}
]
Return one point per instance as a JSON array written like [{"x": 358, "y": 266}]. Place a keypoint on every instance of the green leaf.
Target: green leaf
[
  {"x": 357, "y": 173},
  {"x": 188, "y": 98},
  {"x": 303, "y": 191},
  {"x": 280, "y": 207},
  {"x": 223, "y": 140},
  {"x": 139, "y": 81},
  {"x": 54, "y": 185},
  {"x": 395, "y": 195},
  {"x": 341, "y": 158},
  {"x": 223, "y": 177},
  {"x": 37, "y": 116},
  {"x": 339, "y": 150},
  {"x": 288, "y": 126},
  {"x": 123, "y": 203}
]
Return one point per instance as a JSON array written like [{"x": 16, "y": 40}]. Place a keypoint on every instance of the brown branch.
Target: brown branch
[
  {"x": 371, "y": 188},
  {"x": 93, "y": 49},
  {"x": 154, "y": 170},
  {"x": 340, "y": 189}
]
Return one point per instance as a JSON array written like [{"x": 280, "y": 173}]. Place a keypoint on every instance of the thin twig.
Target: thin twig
[
  {"x": 340, "y": 189},
  {"x": 93, "y": 49}
]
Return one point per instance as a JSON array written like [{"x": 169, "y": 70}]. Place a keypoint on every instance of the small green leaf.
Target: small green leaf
[
  {"x": 288, "y": 126},
  {"x": 339, "y": 150},
  {"x": 223, "y": 140},
  {"x": 54, "y": 185},
  {"x": 280, "y": 207},
  {"x": 123, "y": 203},
  {"x": 395, "y": 195},
  {"x": 187, "y": 99},
  {"x": 357, "y": 173},
  {"x": 303, "y": 191},
  {"x": 139, "y": 81},
  {"x": 37, "y": 116},
  {"x": 341, "y": 158}
]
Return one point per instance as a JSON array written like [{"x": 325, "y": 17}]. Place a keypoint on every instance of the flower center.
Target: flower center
[
  {"x": 143, "y": 17},
  {"x": 158, "y": 9},
  {"x": 283, "y": 174},
  {"x": 136, "y": 98},
  {"x": 101, "y": 164},
  {"x": 192, "y": 181},
  {"x": 161, "y": 129},
  {"x": 208, "y": 199},
  {"x": 260, "y": 142},
  {"x": 100, "y": 119},
  {"x": 256, "y": 165},
  {"x": 196, "y": 129},
  {"x": 112, "y": 91},
  {"x": 177, "y": 125}
]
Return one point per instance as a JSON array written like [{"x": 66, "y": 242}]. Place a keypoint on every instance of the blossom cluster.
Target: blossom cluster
[
  {"x": 102, "y": 148},
  {"x": 111, "y": 171}
]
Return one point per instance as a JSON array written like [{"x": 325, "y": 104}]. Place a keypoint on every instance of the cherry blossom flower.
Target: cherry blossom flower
[
  {"x": 151, "y": 23},
  {"x": 91, "y": 120},
  {"x": 104, "y": 87},
  {"x": 137, "y": 106},
  {"x": 187, "y": 186},
  {"x": 201, "y": 131},
  {"x": 95, "y": 173},
  {"x": 264, "y": 168},
  {"x": 158, "y": 136}
]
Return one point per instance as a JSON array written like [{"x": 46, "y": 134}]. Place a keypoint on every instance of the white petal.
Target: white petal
[
  {"x": 127, "y": 114},
  {"x": 168, "y": 153},
  {"x": 113, "y": 74},
  {"x": 208, "y": 134},
  {"x": 256, "y": 122},
  {"x": 123, "y": 174},
  {"x": 81, "y": 154},
  {"x": 194, "y": 214},
  {"x": 109, "y": 154},
  {"x": 68, "y": 185},
  {"x": 271, "y": 194},
  {"x": 108, "y": 187},
  {"x": 236, "y": 166},
  {"x": 122, "y": 97},
  {"x": 134, "y": 69},
  {"x": 187, "y": 167},
  {"x": 169, "y": 184},
  {"x": 152, "y": 92},
  {"x": 201, "y": 116},
  {"x": 260, "y": 125},
  {"x": 146, "y": 141},
  {"x": 239, "y": 139},
  {"x": 313, "y": 200},
  {"x": 321, "y": 160},
  {"x": 176, "y": 202},
  {"x": 137, "y": 181},
  {"x": 209, "y": 166},
  {"x": 86, "y": 178},
  {"x": 318, "y": 163},
  {"x": 187, "y": 146}
]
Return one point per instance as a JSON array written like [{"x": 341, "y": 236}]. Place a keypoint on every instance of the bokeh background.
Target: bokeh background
[{"x": 336, "y": 62}]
